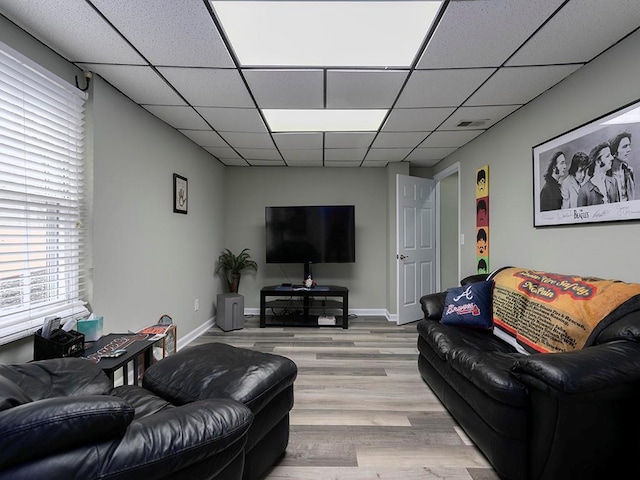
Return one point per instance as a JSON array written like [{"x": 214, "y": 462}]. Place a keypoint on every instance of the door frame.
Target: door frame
[{"x": 450, "y": 170}]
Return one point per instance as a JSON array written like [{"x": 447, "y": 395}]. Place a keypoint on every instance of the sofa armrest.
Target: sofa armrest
[
  {"x": 433, "y": 305},
  {"x": 608, "y": 370},
  {"x": 36, "y": 429},
  {"x": 58, "y": 377}
]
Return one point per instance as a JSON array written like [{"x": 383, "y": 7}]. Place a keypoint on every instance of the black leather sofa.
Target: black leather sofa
[
  {"x": 208, "y": 412},
  {"x": 543, "y": 416}
]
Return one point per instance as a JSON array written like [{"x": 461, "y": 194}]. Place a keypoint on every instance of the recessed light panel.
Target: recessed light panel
[
  {"x": 327, "y": 120},
  {"x": 327, "y": 33}
]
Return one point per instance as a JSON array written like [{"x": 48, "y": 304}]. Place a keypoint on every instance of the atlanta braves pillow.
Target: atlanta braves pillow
[{"x": 469, "y": 306}]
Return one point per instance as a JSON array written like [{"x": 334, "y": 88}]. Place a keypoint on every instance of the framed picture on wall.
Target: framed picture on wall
[
  {"x": 588, "y": 175},
  {"x": 180, "y": 194}
]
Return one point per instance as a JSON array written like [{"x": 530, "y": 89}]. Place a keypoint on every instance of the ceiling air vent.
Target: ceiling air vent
[{"x": 472, "y": 123}]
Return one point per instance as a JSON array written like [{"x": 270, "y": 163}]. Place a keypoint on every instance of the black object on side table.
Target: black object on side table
[{"x": 300, "y": 307}]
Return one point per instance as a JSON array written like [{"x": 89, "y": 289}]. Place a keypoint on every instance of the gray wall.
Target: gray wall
[
  {"x": 148, "y": 260},
  {"x": 249, "y": 190},
  {"x": 605, "y": 250}
]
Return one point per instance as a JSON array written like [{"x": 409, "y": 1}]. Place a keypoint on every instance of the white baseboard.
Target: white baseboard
[{"x": 192, "y": 335}]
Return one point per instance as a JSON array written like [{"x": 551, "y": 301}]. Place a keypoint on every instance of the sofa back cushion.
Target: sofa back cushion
[
  {"x": 469, "y": 306},
  {"x": 547, "y": 312},
  {"x": 11, "y": 395}
]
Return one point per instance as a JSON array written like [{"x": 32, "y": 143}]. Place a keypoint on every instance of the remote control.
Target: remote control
[{"x": 114, "y": 354}]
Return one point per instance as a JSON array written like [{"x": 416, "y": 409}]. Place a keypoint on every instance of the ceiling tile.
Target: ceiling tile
[
  {"x": 302, "y": 155},
  {"x": 251, "y": 154},
  {"x": 491, "y": 115},
  {"x": 228, "y": 119},
  {"x": 223, "y": 152},
  {"x": 249, "y": 140},
  {"x": 430, "y": 154},
  {"x": 484, "y": 33},
  {"x": 286, "y": 88},
  {"x": 234, "y": 162},
  {"x": 578, "y": 33},
  {"x": 450, "y": 139},
  {"x": 266, "y": 163},
  {"x": 442, "y": 88},
  {"x": 207, "y": 138},
  {"x": 346, "y": 154},
  {"x": 519, "y": 85},
  {"x": 178, "y": 116},
  {"x": 298, "y": 140},
  {"x": 363, "y": 89},
  {"x": 304, "y": 163},
  {"x": 388, "y": 154},
  {"x": 140, "y": 84},
  {"x": 168, "y": 32},
  {"x": 415, "y": 119},
  {"x": 76, "y": 30},
  {"x": 398, "y": 139},
  {"x": 195, "y": 86},
  {"x": 349, "y": 139},
  {"x": 206, "y": 87}
]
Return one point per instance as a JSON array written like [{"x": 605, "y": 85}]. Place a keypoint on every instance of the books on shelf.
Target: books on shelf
[{"x": 327, "y": 320}]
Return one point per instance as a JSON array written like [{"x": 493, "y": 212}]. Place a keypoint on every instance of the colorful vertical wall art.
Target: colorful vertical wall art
[{"x": 482, "y": 219}]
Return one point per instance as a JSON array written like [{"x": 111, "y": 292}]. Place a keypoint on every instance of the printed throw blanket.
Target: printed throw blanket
[{"x": 547, "y": 312}]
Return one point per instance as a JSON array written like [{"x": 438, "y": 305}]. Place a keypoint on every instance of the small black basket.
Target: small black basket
[{"x": 60, "y": 344}]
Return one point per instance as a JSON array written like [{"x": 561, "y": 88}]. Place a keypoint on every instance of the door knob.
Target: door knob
[{"x": 402, "y": 257}]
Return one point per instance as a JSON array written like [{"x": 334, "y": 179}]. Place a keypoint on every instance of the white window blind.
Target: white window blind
[{"x": 41, "y": 197}]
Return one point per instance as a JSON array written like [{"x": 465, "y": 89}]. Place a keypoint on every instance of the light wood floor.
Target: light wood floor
[{"x": 361, "y": 409}]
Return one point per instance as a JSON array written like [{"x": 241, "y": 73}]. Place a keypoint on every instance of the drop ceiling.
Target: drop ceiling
[{"x": 484, "y": 60}]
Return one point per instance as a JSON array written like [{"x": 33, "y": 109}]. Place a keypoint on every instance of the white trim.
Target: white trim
[{"x": 193, "y": 334}]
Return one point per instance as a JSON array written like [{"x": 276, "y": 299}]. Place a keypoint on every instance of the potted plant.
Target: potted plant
[{"x": 232, "y": 266}]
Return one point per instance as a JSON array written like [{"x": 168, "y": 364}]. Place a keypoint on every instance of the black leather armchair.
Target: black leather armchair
[
  {"x": 61, "y": 419},
  {"x": 199, "y": 415}
]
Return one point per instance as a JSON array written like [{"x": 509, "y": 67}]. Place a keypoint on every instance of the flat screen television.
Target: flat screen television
[{"x": 311, "y": 234}]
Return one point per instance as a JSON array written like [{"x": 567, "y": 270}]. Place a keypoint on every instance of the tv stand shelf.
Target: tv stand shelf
[{"x": 302, "y": 307}]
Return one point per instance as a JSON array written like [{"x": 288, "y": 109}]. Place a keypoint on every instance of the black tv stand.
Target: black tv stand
[{"x": 301, "y": 307}]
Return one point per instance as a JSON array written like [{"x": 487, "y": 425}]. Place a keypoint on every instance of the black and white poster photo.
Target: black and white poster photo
[{"x": 589, "y": 174}]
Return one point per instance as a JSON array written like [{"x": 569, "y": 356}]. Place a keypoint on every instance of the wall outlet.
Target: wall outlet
[{"x": 196, "y": 305}]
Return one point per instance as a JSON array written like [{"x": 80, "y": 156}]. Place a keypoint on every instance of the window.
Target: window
[{"x": 41, "y": 197}]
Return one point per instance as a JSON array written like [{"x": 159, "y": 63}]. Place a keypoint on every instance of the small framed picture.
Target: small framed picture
[{"x": 180, "y": 194}]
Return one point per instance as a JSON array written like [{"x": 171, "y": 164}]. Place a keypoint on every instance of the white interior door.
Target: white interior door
[{"x": 416, "y": 244}]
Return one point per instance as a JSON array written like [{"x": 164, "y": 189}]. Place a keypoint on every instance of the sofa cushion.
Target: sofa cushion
[
  {"x": 142, "y": 400},
  {"x": 11, "y": 395},
  {"x": 491, "y": 373},
  {"x": 36, "y": 429},
  {"x": 445, "y": 338},
  {"x": 469, "y": 306}
]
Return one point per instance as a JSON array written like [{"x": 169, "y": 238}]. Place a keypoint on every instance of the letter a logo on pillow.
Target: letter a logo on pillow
[{"x": 469, "y": 306}]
